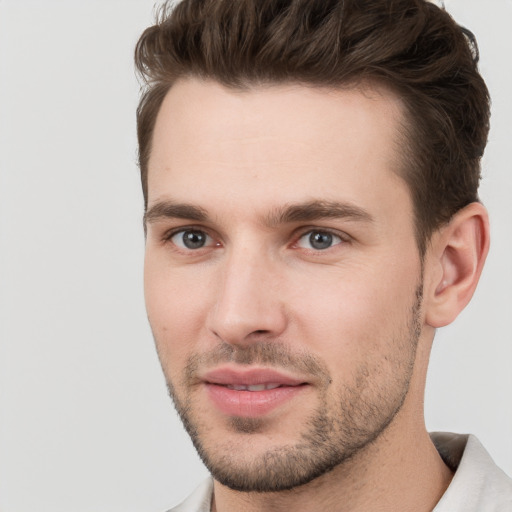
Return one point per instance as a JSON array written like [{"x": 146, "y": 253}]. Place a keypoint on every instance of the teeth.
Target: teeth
[
  {"x": 272, "y": 386},
  {"x": 237, "y": 387},
  {"x": 255, "y": 387}
]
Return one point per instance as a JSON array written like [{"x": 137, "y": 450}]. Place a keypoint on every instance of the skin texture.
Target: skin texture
[{"x": 248, "y": 177}]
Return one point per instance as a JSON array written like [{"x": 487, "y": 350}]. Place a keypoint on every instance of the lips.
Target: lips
[
  {"x": 250, "y": 377},
  {"x": 251, "y": 393}
]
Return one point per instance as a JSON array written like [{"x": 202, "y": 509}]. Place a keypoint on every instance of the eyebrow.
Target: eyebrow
[
  {"x": 300, "y": 212},
  {"x": 172, "y": 210},
  {"x": 315, "y": 210}
]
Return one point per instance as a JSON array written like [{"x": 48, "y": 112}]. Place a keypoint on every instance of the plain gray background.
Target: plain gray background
[{"x": 85, "y": 422}]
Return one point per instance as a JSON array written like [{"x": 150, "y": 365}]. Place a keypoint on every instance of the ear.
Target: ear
[{"x": 453, "y": 264}]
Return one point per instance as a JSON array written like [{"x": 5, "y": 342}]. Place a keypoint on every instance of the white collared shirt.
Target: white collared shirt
[{"x": 478, "y": 485}]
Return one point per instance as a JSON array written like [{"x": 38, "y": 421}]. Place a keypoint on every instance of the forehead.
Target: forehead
[{"x": 274, "y": 144}]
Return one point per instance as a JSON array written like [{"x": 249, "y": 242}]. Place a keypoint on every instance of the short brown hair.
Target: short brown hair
[{"x": 410, "y": 46}]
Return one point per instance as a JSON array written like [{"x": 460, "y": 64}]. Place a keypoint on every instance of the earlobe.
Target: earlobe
[{"x": 455, "y": 263}]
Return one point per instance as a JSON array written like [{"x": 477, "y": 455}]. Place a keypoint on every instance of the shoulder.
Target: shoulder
[{"x": 478, "y": 483}]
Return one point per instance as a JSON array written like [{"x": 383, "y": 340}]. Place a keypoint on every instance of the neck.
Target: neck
[{"x": 400, "y": 471}]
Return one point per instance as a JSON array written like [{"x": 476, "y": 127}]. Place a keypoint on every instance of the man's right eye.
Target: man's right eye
[{"x": 191, "y": 239}]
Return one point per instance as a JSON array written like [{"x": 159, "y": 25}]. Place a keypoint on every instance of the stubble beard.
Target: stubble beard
[{"x": 340, "y": 427}]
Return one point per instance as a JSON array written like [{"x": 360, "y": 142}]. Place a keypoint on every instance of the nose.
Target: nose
[{"x": 248, "y": 303}]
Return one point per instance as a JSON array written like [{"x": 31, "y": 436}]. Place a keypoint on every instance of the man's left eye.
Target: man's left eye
[{"x": 318, "y": 240}]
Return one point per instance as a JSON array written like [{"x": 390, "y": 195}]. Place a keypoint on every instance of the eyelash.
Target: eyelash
[
  {"x": 343, "y": 237},
  {"x": 168, "y": 236}
]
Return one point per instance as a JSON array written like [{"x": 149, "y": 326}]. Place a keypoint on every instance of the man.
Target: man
[{"x": 310, "y": 173}]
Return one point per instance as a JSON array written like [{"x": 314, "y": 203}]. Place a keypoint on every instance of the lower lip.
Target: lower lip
[{"x": 251, "y": 404}]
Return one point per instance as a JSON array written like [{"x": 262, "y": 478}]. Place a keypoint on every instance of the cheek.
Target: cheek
[
  {"x": 356, "y": 316},
  {"x": 175, "y": 305}
]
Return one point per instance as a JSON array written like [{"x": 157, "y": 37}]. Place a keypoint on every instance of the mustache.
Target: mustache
[{"x": 271, "y": 354}]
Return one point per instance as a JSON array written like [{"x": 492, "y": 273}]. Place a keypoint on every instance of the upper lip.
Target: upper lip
[{"x": 250, "y": 377}]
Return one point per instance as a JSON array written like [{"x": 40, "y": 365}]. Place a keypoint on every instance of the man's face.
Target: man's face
[{"x": 282, "y": 277}]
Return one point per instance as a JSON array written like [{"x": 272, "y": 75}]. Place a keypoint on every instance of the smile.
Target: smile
[{"x": 251, "y": 393}]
